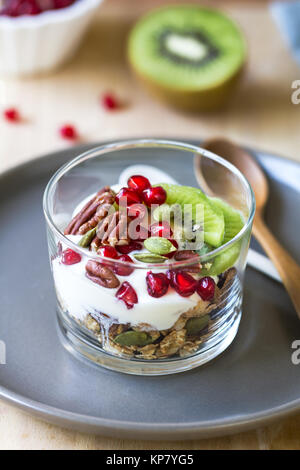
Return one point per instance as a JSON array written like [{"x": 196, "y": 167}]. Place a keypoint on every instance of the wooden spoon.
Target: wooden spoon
[{"x": 288, "y": 269}]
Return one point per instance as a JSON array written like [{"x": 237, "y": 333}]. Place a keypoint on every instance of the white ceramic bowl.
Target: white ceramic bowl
[{"x": 40, "y": 43}]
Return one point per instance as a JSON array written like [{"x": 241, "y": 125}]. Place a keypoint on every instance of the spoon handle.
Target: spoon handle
[{"x": 288, "y": 269}]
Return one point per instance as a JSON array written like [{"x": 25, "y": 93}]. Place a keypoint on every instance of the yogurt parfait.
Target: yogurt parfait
[{"x": 148, "y": 275}]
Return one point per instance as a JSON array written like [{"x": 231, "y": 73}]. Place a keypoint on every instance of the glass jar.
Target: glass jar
[{"x": 108, "y": 316}]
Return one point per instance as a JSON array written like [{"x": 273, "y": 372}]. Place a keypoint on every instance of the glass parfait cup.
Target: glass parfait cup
[{"x": 104, "y": 310}]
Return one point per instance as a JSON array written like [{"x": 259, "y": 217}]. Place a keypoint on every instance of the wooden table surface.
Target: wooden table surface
[{"x": 261, "y": 115}]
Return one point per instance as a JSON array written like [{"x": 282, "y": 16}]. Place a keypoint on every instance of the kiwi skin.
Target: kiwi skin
[{"x": 210, "y": 99}]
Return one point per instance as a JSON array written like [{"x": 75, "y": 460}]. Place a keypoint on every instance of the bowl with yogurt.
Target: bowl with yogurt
[{"x": 147, "y": 268}]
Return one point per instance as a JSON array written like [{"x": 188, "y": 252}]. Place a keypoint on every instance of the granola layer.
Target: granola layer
[{"x": 184, "y": 338}]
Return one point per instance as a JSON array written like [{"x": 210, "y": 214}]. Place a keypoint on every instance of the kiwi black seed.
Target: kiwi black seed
[{"x": 188, "y": 55}]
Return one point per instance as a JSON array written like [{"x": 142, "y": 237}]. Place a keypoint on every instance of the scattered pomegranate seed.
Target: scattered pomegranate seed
[
  {"x": 109, "y": 101},
  {"x": 11, "y": 115},
  {"x": 70, "y": 257},
  {"x": 124, "y": 270},
  {"x": 127, "y": 293},
  {"x": 161, "y": 229},
  {"x": 108, "y": 251},
  {"x": 139, "y": 183},
  {"x": 184, "y": 284},
  {"x": 157, "y": 284},
  {"x": 68, "y": 132},
  {"x": 206, "y": 288},
  {"x": 126, "y": 197},
  {"x": 132, "y": 246},
  {"x": 155, "y": 195}
]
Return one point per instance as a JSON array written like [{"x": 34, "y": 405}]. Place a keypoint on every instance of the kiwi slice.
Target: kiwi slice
[
  {"x": 213, "y": 215},
  {"x": 188, "y": 55},
  {"x": 234, "y": 222},
  {"x": 223, "y": 261}
]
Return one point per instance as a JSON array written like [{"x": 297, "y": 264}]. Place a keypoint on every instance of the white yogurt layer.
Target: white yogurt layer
[{"x": 80, "y": 296}]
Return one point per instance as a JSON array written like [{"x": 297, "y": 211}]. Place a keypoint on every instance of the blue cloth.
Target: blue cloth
[{"x": 287, "y": 16}]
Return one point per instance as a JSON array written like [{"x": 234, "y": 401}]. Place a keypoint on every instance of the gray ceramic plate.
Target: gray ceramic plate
[{"x": 253, "y": 382}]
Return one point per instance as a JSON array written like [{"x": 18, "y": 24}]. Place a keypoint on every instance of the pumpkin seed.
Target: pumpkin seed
[
  {"x": 149, "y": 258},
  {"x": 87, "y": 238},
  {"x": 159, "y": 246},
  {"x": 133, "y": 338},
  {"x": 196, "y": 324}
]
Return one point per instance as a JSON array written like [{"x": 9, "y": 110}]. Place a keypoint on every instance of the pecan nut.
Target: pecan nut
[
  {"x": 188, "y": 255},
  {"x": 113, "y": 230},
  {"x": 101, "y": 275},
  {"x": 88, "y": 211},
  {"x": 101, "y": 212}
]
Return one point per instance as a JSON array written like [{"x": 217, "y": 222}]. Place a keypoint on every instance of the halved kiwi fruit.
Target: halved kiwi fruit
[{"x": 188, "y": 55}]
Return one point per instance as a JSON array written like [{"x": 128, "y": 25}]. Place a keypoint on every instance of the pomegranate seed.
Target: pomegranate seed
[
  {"x": 126, "y": 197},
  {"x": 21, "y": 7},
  {"x": 108, "y": 251},
  {"x": 170, "y": 275},
  {"x": 109, "y": 101},
  {"x": 142, "y": 233},
  {"x": 132, "y": 246},
  {"x": 157, "y": 284},
  {"x": 58, "y": 4},
  {"x": 155, "y": 195},
  {"x": 28, "y": 7},
  {"x": 127, "y": 293},
  {"x": 137, "y": 211},
  {"x": 206, "y": 288},
  {"x": 124, "y": 270},
  {"x": 184, "y": 284},
  {"x": 174, "y": 243},
  {"x": 15, "y": 8},
  {"x": 170, "y": 255},
  {"x": 68, "y": 132},
  {"x": 11, "y": 115},
  {"x": 70, "y": 257},
  {"x": 139, "y": 183},
  {"x": 161, "y": 229}
]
